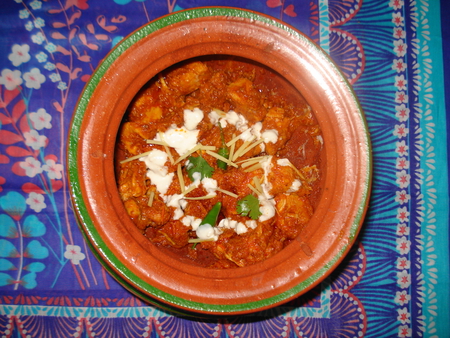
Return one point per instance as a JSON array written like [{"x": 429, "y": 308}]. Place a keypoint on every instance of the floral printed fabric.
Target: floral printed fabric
[{"x": 394, "y": 282}]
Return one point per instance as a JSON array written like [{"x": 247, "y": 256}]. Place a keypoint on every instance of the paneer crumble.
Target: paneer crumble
[{"x": 219, "y": 165}]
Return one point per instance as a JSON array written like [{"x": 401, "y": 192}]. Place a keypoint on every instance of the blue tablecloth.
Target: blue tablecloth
[{"x": 394, "y": 282}]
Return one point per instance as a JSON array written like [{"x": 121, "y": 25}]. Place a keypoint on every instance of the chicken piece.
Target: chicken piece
[
  {"x": 296, "y": 212},
  {"x": 245, "y": 249},
  {"x": 132, "y": 177},
  {"x": 247, "y": 99},
  {"x": 280, "y": 179},
  {"x": 184, "y": 80},
  {"x": 276, "y": 119},
  {"x": 173, "y": 233}
]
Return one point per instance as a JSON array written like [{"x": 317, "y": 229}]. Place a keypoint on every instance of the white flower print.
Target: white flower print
[
  {"x": 402, "y": 197},
  {"x": 73, "y": 252},
  {"x": 403, "y": 214},
  {"x": 19, "y": 54},
  {"x": 403, "y": 179},
  {"x": 39, "y": 22},
  {"x": 403, "y": 263},
  {"x": 55, "y": 77},
  {"x": 397, "y": 19},
  {"x": 38, "y": 38},
  {"x": 403, "y": 246},
  {"x": 402, "y": 297},
  {"x": 403, "y": 279},
  {"x": 404, "y": 331},
  {"x": 51, "y": 48},
  {"x": 402, "y": 163},
  {"x": 400, "y": 82},
  {"x": 50, "y": 66},
  {"x": 400, "y": 130},
  {"x": 400, "y": 48},
  {"x": 396, "y": 4},
  {"x": 399, "y": 33},
  {"x": 402, "y": 229},
  {"x": 402, "y": 113},
  {"x": 41, "y": 57},
  {"x": 401, "y": 148},
  {"x": 401, "y": 97},
  {"x": 34, "y": 78},
  {"x": 62, "y": 85},
  {"x": 41, "y": 119},
  {"x": 36, "y": 201},
  {"x": 36, "y": 4},
  {"x": 31, "y": 166},
  {"x": 54, "y": 170},
  {"x": 24, "y": 14},
  {"x": 403, "y": 315},
  {"x": 399, "y": 65},
  {"x": 29, "y": 26},
  {"x": 11, "y": 78},
  {"x": 34, "y": 140}
]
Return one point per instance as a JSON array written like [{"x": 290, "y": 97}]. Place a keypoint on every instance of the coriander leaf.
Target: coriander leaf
[
  {"x": 249, "y": 206},
  {"x": 198, "y": 164}
]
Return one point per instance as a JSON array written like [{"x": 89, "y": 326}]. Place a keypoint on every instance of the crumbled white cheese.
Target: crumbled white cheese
[
  {"x": 157, "y": 171},
  {"x": 210, "y": 185},
  {"x": 178, "y": 202},
  {"x": 191, "y": 221},
  {"x": 192, "y": 118},
  {"x": 251, "y": 224},
  {"x": 270, "y": 135},
  {"x": 233, "y": 118},
  {"x": 207, "y": 231},
  {"x": 295, "y": 186},
  {"x": 179, "y": 138},
  {"x": 228, "y": 223},
  {"x": 238, "y": 227},
  {"x": 266, "y": 207}
]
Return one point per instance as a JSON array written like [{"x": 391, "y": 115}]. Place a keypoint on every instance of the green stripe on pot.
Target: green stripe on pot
[{"x": 132, "y": 281}]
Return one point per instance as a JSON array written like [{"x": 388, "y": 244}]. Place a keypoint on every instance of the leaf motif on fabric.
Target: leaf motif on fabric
[
  {"x": 35, "y": 267},
  {"x": 5, "y": 119},
  {"x": 8, "y": 227},
  {"x": 56, "y": 185},
  {"x": 13, "y": 204},
  {"x": 274, "y": 3},
  {"x": 33, "y": 227},
  {"x": 5, "y": 279},
  {"x": 29, "y": 281},
  {"x": 35, "y": 250},
  {"x": 6, "y": 265},
  {"x": 18, "y": 110},
  {"x": 15, "y": 151},
  {"x": 7, "y": 137},
  {"x": 4, "y": 159},
  {"x": 7, "y": 249},
  {"x": 289, "y": 10},
  {"x": 9, "y": 95},
  {"x": 18, "y": 170}
]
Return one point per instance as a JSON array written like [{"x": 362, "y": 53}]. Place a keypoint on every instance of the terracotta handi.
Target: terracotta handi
[{"x": 138, "y": 257}]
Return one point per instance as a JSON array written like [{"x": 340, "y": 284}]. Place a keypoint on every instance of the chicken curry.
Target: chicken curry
[{"x": 220, "y": 165}]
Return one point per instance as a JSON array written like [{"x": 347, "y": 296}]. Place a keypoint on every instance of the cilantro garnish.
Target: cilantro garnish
[
  {"x": 198, "y": 164},
  {"x": 248, "y": 206}
]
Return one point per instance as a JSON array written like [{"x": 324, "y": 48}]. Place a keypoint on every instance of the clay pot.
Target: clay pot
[{"x": 162, "y": 279}]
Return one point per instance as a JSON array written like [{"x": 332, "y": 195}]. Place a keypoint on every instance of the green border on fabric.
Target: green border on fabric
[
  {"x": 81, "y": 206},
  {"x": 435, "y": 308}
]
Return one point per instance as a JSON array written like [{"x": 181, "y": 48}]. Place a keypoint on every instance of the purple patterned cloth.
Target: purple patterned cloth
[{"x": 393, "y": 283}]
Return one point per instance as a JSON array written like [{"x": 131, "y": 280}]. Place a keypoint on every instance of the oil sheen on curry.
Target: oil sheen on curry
[{"x": 222, "y": 164}]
